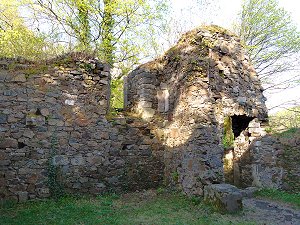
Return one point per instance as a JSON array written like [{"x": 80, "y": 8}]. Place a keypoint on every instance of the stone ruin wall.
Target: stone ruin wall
[
  {"x": 187, "y": 93},
  {"x": 56, "y": 114}
]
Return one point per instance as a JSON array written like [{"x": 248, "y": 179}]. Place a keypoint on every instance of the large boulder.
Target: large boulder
[{"x": 224, "y": 197}]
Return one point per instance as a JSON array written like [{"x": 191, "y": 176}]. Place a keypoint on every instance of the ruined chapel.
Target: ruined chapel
[{"x": 57, "y": 132}]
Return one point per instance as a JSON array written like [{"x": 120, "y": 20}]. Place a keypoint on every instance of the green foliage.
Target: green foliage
[
  {"x": 285, "y": 120},
  {"x": 83, "y": 27},
  {"x": 292, "y": 198},
  {"x": 15, "y": 38},
  {"x": 228, "y": 171},
  {"x": 217, "y": 29},
  {"x": 221, "y": 73},
  {"x": 116, "y": 30},
  {"x": 228, "y": 136},
  {"x": 20, "y": 41},
  {"x": 269, "y": 34},
  {"x": 208, "y": 43},
  {"x": 34, "y": 70},
  {"x": 108, "y": 38},
  {"x": 117, "y": 94}
]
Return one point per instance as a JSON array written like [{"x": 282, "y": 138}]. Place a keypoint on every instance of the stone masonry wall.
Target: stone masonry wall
[
  {"x": 55, "y": 123},
  {"x": 187, "y": 93},
  {"x": 273, "y": 161},
  {"x": 54, "y": 116}
]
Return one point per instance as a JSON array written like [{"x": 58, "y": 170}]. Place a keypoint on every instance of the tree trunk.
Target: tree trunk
[{"x": 107, "y": 31}]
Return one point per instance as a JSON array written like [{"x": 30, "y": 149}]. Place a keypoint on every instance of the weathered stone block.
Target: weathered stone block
[
  {"x": 4, "y": 162},
  {"x": 242, "y": 100},
  {"x": 35, "y": 120},
  {"x": 55, "y": 122},
  {"x": 105, "y": 82},
  {"x": 45, "y": 112},
  {"x": 8, "y": 143},
  {"x": 76, "y": 161},
  {"x": 19, "y": 78},
  {"x": 75, "y": 72},
  {"x": 22, "y": 196},
  {"x": 224, "y": 197},
  {"x": 224, "y": 47},
  {"x": 100, "y": 185},
  {"x": 83, "y": 179},
  {"x": 104, "y": 74},
  {"x": 145, "y": 104},
  {"x": 28, "y": 133},
  {"x": 60, "y": 160},
  {"x": 148, "y": 113},
  {"x": 3, "y": 118},
  {"x": 249, "y": 192},
  {"x": 43, "y": 192}
]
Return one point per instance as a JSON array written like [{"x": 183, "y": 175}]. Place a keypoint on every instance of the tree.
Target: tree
[
  {"x": 16, "y": 39},
  {"x": 270, "y": 36},
  {"x": 115, "y": 29},
  {"x": 84, "y": 30},
  {"x": 69, "y": 17},
  {"x": 287, "y": 118},
  {"x": 107, "y": 27}
]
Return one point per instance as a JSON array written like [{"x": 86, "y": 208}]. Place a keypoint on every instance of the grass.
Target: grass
[
  {"x": 136, "y": 208},
  {"x": 67, "y": 210},
  {"x": 291, "y": 198},
  {"x": 290, "y": 133}
]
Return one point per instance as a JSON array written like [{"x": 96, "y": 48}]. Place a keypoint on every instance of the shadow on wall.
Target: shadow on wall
[
  {"x": 59, "y": 117},
  {"x": 187, "y": 93},
  {"x": 270, "y": 161},
  {"x": 255, "y": 159},
  {"x": 54, "y": 130}
]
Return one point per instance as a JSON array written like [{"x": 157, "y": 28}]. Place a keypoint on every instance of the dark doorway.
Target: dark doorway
[
  {"x": 240, "y": 123},
  {"x": 233, "y": 127}
]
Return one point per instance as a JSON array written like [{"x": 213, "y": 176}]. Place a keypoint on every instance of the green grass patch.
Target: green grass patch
[
  {"x": 290, "y": 133},
  {"x": 291, "y": 198},
  {"x": 138, "y": 208},
  {"x": 68, "y": 210}
]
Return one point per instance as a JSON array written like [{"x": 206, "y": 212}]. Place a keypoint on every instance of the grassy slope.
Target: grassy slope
[
  {"x": 128, "y": 209},
  {"x": 291, "y": 198}
]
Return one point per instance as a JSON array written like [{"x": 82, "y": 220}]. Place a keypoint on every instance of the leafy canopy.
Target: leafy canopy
[
  {"x": 116, "y": 30},
  {"x": 15, "y": 38},
  {"x": 270, "y": 36}
]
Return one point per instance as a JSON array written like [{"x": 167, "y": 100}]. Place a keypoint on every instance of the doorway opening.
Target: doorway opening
[{"x": 233, "y": 127}]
